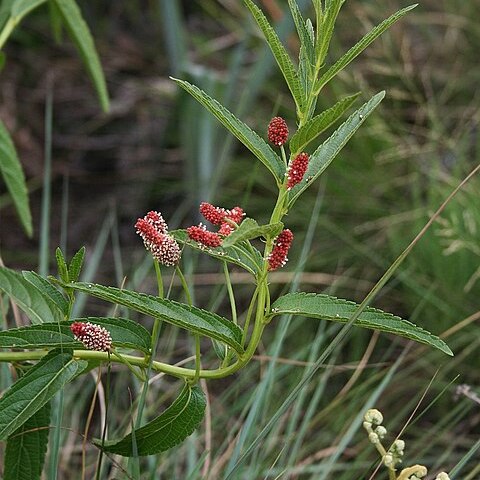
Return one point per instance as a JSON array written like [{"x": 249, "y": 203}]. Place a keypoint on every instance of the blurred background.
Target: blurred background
[{"x": 158, "y": 149}]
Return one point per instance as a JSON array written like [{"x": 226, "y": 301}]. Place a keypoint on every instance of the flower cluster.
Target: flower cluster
[
  {"x": 277, "y": 131},
  {"x": 201, "y": 235},
  {"x": 278, "y": 256},
  {"x": 154, "y": 231},
  {"x": 94, "y": 337},
  {"x": 296, "y": 170},
  {"x": 226, "y": 219}
]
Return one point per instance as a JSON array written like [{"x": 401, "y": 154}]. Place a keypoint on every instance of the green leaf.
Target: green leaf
[
  {"x": 318, "y": 124},
  {"x": 76, "y": 264},
  {"x": 27, "y": 446},
  {"x": 173, "y": 426},
  {"x": 250, "y": 229},
  {"x": 81, "y": 36},
  {"x": 359, "y": 47},
  {"x": 335, "y": 309},
  {"x": 124, "y": 332},
  {"x": 332, "y": 9},
  {"x": 250, "y": 260},
  {"x": 31, "y": 392},
  {"x": 184, "y": 316},
  {"x": 281, "y": 56},
  {"x": 61, "y": 265},
  {"x": 38, "y": 306},
  {"x": 48, "y": 290},
  {"x": 55, "y": 21},
  {"x": 325, "y": 153},
  {"x": 5, "y": 9},
  {"x": 20, "y": 8},
  {"x": 14, "y": 178},
  {"x": 243, "y": 132},
  {"x": 305, "y": 36}
]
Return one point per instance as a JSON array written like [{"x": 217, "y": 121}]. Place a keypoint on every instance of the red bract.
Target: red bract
[
  {"x": 93, "y": 337},
  {"x": 201, "y": 235},
  {"x": 278, "y": 256},
  {"x": 296, "y": 169},
  {"x": 277, "y": 131},
  {"x": 163, "y": 247}
]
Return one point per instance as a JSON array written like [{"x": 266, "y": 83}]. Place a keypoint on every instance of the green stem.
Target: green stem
[
  {"x": 231, "y": 295},
  {"x": 184, "y": 285},
  {"x": 158, "y": 273}
]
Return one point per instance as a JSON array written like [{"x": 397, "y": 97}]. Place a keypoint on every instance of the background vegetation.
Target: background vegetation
[{"x": 158, "y": 149}]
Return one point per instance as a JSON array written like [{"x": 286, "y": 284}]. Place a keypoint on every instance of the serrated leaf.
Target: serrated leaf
[
  {"x": 335, "y": 309},
  {"x": 191, "y": 318},
  {"x": 20, "y": 8},
  {"x": 124, "y": 332},
  {"x": 31, "y": 392},
  {"x": 14, "y": 179},
  {"x": 318, "y": 124},
  {"x": 81, "y": 36},
  {"x": 250, "y": 229},
  {"x": 306, "y": 39},
  {"x": 47, "y": 289},
  {"x": 280, "y": 54},
  {"x": 242, "y": 131},
  {"x": 249, "y": 260},
  {"x": 27, "y": 446},
  {"x": 173, "y": 426},
  {"x": 326, "y": 153},
  {"x": 38, "y": 307},
  {"x": 359, "y": 47},
  {"x": 330, "y": 15},
  {"x": 76, "y": 264}
]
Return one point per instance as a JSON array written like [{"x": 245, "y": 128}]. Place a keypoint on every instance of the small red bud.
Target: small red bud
[
  {"x": 277, "y": 131},
  {"x": 296, "y": 169},
  {"x": 278, "y": 256}
]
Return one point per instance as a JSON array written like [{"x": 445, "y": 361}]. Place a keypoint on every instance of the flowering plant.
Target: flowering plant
[{"x": 63, "y": 350}]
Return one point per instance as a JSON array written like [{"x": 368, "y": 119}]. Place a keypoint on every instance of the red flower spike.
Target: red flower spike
[
  {"x": 214, "y": 215},
  {"x": 296, "y": 169},
  {"x": 277, "y": 131},
  {"x": 278, "y": 256},
  {"x": 201, "y": 235},
  {"x": 163, "y": 247},
  {"x": 93, "y": 337},
  {"x": 236, "y": 215}
]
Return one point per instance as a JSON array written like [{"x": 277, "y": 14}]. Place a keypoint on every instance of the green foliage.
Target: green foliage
[
  {"x": 250, "y": 229},
  {"x": 31, "y": 392},
  {"x": 281, "y": 56},
  {"x": 327, "y": 152},
  {"x": 14, "y": 178},
  {"x": 326, "y": 307},
  {"x": 246, "y": 258},
  {"x": 243, "y": 132},
  {"x": 318, "y": 124},
  {"x": 170, "y": 428},
  {"x": 75, "y": 266},
  {"x": 184, "y": 316},
  {"x": 359, "y": 47},
  {"x": 48, "y": 290},
  {"x": 81, "y": 36},
  {"x": 27, "y": 446},
  {"x": 37, "y": 305}
]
